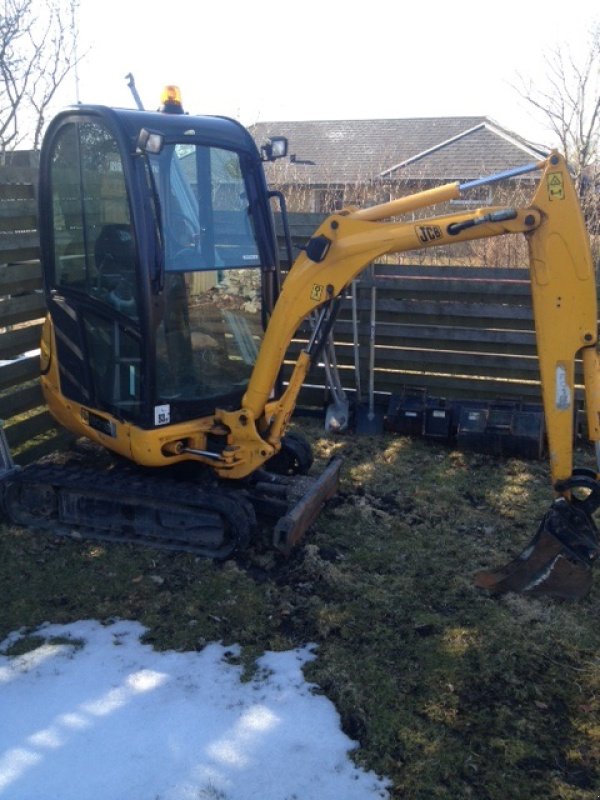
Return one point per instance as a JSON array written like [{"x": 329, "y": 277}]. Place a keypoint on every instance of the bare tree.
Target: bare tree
[
  {"x": 37, "y": 52},
  {"x": 569, "y": 104},
  {"x": 569, "y": 101}
]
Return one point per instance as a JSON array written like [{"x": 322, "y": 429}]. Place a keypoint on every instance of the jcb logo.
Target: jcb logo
[{"x": 429, "y": 233}]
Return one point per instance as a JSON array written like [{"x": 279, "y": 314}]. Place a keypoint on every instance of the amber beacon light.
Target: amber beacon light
[{"x": 170, "y": 100}]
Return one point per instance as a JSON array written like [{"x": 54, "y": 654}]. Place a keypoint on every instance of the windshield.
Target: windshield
[
  {"x": 206, "y": 217},
  {"x": 211, "y": 324}
]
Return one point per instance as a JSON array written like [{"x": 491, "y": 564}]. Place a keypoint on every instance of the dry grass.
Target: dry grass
[{"x": 451, "y": 693}]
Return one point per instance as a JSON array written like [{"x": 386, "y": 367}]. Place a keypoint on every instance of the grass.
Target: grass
[{"x": 451, "y": 693}]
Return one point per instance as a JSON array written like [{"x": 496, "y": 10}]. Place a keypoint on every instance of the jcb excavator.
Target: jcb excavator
[{"x": 167, "y": 329}]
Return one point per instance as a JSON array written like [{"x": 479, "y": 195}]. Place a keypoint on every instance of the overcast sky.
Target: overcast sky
[{"x": 317, "y": 59}]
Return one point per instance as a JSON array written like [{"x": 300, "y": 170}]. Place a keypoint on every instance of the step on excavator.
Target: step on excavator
[{"x": 168, "y": 325}]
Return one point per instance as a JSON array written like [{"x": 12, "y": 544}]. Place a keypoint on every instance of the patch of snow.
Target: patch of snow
[{"x": 117, "y": 720}]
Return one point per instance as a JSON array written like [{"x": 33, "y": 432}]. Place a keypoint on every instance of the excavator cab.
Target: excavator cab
[
  {"x": 160, "y": 263},
  {"x": 161, "y": 270}
]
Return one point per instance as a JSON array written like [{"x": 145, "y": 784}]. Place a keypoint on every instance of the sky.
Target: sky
[
  {"x": 114, "y": 719},
  {"x": 318, "y": 59}
]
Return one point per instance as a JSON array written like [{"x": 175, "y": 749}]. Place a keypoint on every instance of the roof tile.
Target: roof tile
[{"x": 431, "y": 148}]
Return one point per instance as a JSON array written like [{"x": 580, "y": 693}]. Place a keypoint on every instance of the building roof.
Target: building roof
[{"x": 430, "y": 148}]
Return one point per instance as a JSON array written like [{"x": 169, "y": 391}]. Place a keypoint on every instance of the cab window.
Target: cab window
[{"x": 93, "y": 242}]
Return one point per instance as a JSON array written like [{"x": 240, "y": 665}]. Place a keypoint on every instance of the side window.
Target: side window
[
  {"x": 93, "y": 244},
  {"x": 235, "y": 239}
]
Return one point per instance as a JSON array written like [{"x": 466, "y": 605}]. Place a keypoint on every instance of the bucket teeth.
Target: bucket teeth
[{"x": 556, "y": 563}]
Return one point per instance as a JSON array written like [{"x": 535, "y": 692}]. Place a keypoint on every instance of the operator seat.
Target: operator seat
[{"x": 115, "y": 263}]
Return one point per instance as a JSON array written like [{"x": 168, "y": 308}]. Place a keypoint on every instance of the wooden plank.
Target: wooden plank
[
  {"x": 443, "y": 386},
  {"x": 438, "y": 361},
  {"x": 21, "y": 400},
  {"x": 387, "y": 379},
  {"x": 18, "y": 225},
  {"x": 24, "y": 430},
  {"x": 14, "y": 209},
  {"x": 311, "y": 398},
  {"x": 456, "y": 289},
  {"x": 19, "y": 254},
  {"x": 25, "y": 369},
  {"x": 16, "y": 342},
  {"x": 19, "y": 238},
  {"x": 20, "y": 277},
  {"x": 443, "y": 382},
  {"x": 10, "y": 241},
  {"x": 455, "y": 272},
  {"x": 301, "y": 224},
  {"x": 20, "y": 165},
  {"x": 20, "y": 220},
  {"x": 488, "y": 305},
  {"x": 16, "y": 191},
  {"x": 13, "y": 173},
  {"x": 462, "y": 314},
  {"x": 56, "y": 440},
  {"x": 22, "y": 309},
  {"x": 434, "y": 313},
  {"x": 490, "y": 340},
  {"x": 456, "y": 363}
]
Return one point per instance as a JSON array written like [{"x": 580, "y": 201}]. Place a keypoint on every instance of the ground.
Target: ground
[{"x": 451, "y": 693}]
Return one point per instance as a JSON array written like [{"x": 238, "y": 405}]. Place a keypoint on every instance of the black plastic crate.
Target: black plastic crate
[
  {"x": 502, "y": 429},
  {"x": 414, "y": 413},
  {"x": 406, "y": 414},
  {"x": 439, "y": 419},
  {"x": 472, "y": 426}
]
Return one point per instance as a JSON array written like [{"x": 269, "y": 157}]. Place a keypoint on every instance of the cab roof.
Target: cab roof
[{"x": 213, "y": 130}]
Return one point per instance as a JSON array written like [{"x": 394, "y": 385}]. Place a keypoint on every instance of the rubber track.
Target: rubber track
[{"x": 126, "y": 505}]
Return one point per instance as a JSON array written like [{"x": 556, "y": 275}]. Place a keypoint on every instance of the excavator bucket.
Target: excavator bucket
[{"x": 558, "y": 560}]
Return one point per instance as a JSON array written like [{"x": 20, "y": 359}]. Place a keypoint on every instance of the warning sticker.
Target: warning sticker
[
  {"x": 556, "y": 186},
  {"x": 316, "y": 291},
  {"x": 162, "y": 415},
  {"x": 563, "y": 391}
]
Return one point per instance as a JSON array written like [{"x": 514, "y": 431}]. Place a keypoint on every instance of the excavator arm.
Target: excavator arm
[
  {"x": 342, "y": 247},
  {"x": 563, "y": 288},
  {"x": 558, "y": 559},
  {"x": 562, "y": 282},
  {"x": 340, "y": 250}
]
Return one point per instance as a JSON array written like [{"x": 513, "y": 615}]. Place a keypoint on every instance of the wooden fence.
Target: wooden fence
[
  {"x": 29, "y": 427},
  {"x": 456, "y": 331}
]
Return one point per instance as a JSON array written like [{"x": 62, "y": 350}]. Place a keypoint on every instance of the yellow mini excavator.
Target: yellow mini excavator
[{"x": 167, "y": 328}]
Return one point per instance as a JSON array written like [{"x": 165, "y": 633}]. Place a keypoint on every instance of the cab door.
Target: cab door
[{"x": 90, "y": 267}]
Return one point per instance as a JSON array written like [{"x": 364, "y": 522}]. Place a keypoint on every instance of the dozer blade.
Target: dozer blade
[
  {"x": 292, "y": 526},
  {"x": 557, "y": 562}
]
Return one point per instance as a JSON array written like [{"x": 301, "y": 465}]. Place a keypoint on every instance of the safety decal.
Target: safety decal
[
  {"x": 162, "y": 415},
  {"x": 556, "y": 186},
  {"x": 316, "y": 292},
  {"x": 563, "y": 392}
]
